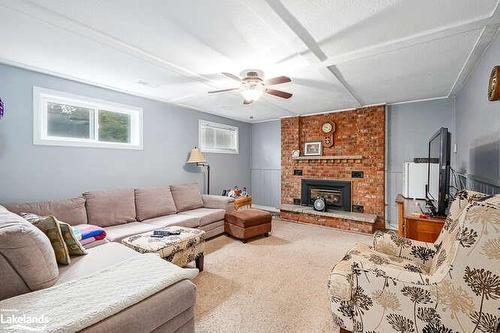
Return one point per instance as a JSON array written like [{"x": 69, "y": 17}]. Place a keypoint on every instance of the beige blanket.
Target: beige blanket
[{"x": 77, "y": 304}]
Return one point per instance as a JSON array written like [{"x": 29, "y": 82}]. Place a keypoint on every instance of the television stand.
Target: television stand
[{"x": 412, "y": 225}]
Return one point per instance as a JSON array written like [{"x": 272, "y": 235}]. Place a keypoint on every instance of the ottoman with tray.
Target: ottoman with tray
[
  {"x": 180, "y": 249},
  {"x": 248, "y": 223}
]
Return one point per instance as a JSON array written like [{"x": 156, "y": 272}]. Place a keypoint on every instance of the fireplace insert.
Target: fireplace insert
[{"x": 337, "y": 193}]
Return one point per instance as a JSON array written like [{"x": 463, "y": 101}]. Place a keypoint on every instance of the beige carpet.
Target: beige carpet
[{"x": 274, "y": 284}]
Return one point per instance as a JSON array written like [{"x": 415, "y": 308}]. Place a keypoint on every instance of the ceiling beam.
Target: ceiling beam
[
  {"x": 423, "y": 37},
  {"x": 52, "y": 18},
  {"x": 301, "y": 32},
  {"x": 482, "y": 43}
]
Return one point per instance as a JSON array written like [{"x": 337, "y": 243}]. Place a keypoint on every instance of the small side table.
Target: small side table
[
  {"x": 243, "y": 202},
  {"x": 410, "y": 225}
]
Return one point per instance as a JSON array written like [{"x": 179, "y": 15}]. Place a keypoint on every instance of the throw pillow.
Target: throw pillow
[
  {"x": 75, "y": 248},
  {"x": 50, "y": 227}
]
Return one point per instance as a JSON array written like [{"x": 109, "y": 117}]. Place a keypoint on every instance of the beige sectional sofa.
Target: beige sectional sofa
[{"x": 121, "y": 213}]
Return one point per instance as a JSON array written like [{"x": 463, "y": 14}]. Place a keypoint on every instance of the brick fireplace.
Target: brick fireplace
[{"x": 357, "y": 160}]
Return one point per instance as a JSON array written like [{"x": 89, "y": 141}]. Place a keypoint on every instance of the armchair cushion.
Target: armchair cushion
[{"x": 390, "y": 243}]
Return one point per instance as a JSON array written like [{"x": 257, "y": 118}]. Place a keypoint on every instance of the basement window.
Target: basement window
[
  {"x": 218, "y": 138},
  {"x": 62, "y": 119}
]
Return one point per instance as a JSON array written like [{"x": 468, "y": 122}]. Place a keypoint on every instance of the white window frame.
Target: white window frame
[
  {"x": 203, "y": 123},
  {"x": 42, "y": 96}
]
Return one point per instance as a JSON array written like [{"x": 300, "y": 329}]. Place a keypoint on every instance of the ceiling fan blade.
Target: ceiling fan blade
[
  {"x": 278, "y": 93},
  {"x": 222, "y": 90},
  {"x": 278, "y": 80},
  {"x": 247, "y": 101},
  {"x": 232, "y": 76}
]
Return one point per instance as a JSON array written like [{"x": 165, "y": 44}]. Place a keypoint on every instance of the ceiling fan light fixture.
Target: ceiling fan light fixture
[{"x": 251, "y": 94}]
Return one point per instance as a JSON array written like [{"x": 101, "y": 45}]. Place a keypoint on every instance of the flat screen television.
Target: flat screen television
[{"x": 438, "y": 183}]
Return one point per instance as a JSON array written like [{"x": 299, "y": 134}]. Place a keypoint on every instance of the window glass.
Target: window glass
[
  {"x": 69, "y": 121},
  {"x": 114, "y": 127}
]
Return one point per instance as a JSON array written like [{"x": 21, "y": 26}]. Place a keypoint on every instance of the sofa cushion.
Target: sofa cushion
[
  {"x": 170, "y": 220},
  {"x": 118, "y": 232},
  {"x": 51, "y": 227},
  {"x": 71, "y": 211},
  {"x": 186, "y": 196},
  {"x": 28, "y": 260},
  {"x": 169, "y": 310},
  {"x": 107, "y": 208},
  {"x": 98, "y": 258},
  {"x": 206, "y": 215},
  {"x": 153, "y": 202}
]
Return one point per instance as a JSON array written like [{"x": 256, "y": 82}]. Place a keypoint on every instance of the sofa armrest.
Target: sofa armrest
[
  {"x": 391, "y": 243},
  {"x": 218, "y": 201}
]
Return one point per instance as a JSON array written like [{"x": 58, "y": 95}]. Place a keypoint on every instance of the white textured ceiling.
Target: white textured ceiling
[{"x": 339, "y": 53}]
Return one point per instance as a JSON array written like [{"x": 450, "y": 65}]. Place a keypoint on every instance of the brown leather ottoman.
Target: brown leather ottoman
[{"x": 248, "y": 223}]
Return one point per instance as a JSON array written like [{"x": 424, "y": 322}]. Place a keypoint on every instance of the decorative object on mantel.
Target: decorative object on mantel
[
  {"x": 312, "y": 148},
  {"x": 494, "y": 84},
  {"x": 295, "y": 153},
  {"x": 197, "y": 157},
  {"x": 1, "y": 108}
]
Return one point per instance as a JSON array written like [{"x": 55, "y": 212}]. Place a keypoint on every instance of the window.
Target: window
[
  {"x": 218, "y": 138},
  {"x": 63, "y": 119}
]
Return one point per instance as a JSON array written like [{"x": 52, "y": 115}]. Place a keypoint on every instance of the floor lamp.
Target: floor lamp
[{"x": 197, "y": 157}]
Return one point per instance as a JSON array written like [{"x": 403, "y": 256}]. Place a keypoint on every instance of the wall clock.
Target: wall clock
[
  {"x": 328, "y": 127},
  {"x": 494, "y": 84}
]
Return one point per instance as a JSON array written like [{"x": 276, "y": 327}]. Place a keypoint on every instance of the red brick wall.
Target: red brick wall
[{"x": 358, "y": 132}]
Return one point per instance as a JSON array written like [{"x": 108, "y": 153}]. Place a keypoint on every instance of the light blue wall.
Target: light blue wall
[
  {"x": 478, "y": 122},
  {"x": 266, "y": 163},
  {"x": 29, "y": 172},
  {"x": 409, "y": 128}
]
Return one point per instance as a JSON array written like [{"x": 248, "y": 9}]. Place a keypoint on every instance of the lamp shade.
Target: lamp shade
[{"x": 196, "y": 156}]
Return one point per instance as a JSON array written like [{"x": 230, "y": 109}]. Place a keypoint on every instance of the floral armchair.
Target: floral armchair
[{"x": 402, "y": 285}]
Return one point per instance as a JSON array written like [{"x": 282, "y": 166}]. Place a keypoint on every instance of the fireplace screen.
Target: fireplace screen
[
  {"x": 337, "y": 193},
  {"x": 332, "y": 197}
]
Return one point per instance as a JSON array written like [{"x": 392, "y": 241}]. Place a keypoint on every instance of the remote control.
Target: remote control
[
  {"x": 165, "y": 233},
  {"x": 157, "y": 236}
]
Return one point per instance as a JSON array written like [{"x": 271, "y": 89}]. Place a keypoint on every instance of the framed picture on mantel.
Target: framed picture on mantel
[{"x": 312, "y": 148}]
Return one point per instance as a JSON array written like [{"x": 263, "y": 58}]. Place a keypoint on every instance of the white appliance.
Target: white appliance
[{"x": 415, "y": 179}]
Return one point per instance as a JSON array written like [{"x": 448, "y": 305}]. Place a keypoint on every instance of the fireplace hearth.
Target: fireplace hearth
[{"x": 337, "y": 193}]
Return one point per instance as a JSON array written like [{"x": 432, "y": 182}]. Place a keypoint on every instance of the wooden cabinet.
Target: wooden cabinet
[{"x": 411, "y": 225}]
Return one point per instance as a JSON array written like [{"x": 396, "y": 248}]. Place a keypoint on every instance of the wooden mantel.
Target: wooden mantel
[{"x": 338, "y": 157}]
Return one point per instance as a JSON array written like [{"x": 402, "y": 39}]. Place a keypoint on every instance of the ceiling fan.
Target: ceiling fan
[{"x": 252, "y": 86}]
